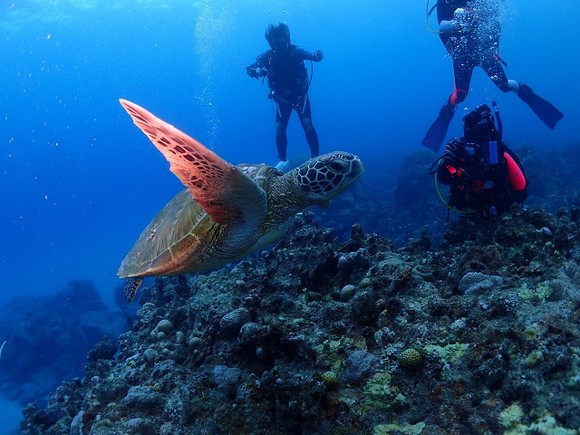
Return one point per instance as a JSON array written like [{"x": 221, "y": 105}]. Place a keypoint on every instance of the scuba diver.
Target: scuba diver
[
  {"x": 288, "y": 81},
  {"x": 485, "y": 177},
  {"x": 470, "y": 31}
]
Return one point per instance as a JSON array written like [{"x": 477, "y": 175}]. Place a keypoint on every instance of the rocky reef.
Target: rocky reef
[
  {"x": 48, "y": 337},
  {"x": 331, "y": 335}
]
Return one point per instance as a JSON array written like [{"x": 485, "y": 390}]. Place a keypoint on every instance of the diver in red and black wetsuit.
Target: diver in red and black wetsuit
[
  {"x": 470, "y": 31},
  {"x": 484, "y": 176}
]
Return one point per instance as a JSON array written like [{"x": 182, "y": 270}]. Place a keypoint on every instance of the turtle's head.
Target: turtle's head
[{"x": 325, "y": 177}]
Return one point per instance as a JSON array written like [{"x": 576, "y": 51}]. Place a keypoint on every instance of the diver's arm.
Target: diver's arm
[
  {"x": 258, "y": 68},
  {"x": 463, "y": 21},
  {"x": 315, "y": 56},
  {"x": 448, "y": 26}
]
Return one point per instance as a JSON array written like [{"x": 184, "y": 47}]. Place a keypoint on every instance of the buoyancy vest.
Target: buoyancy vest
[{"x": 481, "y": 176}]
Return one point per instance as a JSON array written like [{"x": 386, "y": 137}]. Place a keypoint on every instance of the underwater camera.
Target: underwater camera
[
  {"x": 479, "y": 127},
  {"x": 479, "y": 124}
]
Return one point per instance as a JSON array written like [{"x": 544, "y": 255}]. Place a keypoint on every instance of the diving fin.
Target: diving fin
[
  {"x": 436, "y": 133},
  {"x": 541, "y": 107}
]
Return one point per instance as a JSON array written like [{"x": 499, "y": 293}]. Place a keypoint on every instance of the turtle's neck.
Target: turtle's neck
[{"x": 286, "y": 198}]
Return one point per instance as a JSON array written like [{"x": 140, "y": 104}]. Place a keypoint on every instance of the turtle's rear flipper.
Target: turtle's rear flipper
[{"x": 131, "y": 287}]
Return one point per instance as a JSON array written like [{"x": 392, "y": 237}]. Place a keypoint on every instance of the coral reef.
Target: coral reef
[{"x": 330, "y": 335}]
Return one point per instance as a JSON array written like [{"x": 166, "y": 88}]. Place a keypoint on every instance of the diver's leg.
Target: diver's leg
[
  {"x": 462, "y": 72},
  {"x": 305, "y": 115},
  {"x": 283, "y": 112},
  {"x": 543, "y": 109},
  {"x": 491, "y": 65}
]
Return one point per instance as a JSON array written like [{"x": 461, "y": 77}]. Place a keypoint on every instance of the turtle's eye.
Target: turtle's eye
[{"x": 339, "y": 166}]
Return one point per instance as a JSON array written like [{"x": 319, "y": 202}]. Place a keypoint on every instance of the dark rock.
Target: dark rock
[
  {"x": 364, "y": 308},
  {"x": 105, "y": 349},
  {"x": 478, "y": 283},
  {"x": 143, "y": 399},
  {"x": 226, "y": 379},
  {"x": 358, "y": 365},
  {"x": 231, "y": 323}
]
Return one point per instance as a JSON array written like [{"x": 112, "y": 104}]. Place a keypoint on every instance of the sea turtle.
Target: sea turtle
[{"x": 226, "y": 212}]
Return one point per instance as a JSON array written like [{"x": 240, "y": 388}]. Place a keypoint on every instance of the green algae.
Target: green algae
[
  {"x": 378, "y": 393},
  {"x": 409, "y": 429},
  {"x": 331, "y": 352},
  {"x": 449, "y": 353},
  {"x": 511, "y": 419},
  {"x": 534, "y": 295}
]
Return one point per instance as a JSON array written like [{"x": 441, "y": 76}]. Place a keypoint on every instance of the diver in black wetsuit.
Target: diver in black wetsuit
[
  {"x": 288, "y": 80},
  {"x": 470, "y": 31}
]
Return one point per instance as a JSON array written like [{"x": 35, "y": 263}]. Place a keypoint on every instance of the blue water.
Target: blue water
[{"x": 78, "y": 181}]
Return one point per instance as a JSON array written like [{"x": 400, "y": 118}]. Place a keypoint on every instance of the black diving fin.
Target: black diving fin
[
  {"x": 541, "y": 107},
  {"x": 436, "y": 133}
]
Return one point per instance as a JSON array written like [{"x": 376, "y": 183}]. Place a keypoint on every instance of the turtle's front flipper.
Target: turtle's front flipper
[{"x": 220, "y": 188}]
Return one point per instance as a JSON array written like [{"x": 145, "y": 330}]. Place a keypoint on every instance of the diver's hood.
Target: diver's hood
[{"x": 276, "y": 33}]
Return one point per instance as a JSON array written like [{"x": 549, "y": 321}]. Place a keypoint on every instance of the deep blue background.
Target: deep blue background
[{"x": 78, "y": 181}]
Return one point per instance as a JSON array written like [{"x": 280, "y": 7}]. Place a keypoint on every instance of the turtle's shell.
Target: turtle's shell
[{"x": 183, "y": 238}]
